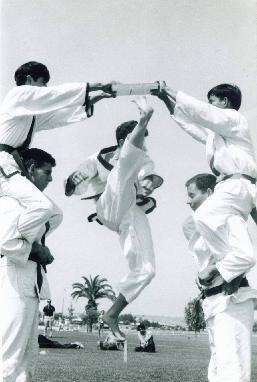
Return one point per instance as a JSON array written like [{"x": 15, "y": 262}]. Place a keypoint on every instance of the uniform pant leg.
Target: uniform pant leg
[
  {"x": 231, "y": 198},
  {"x": 120, "y": 191},
  {"x": 19, "y": 317},
  {"x": 37, "y": 211},
  {"x": 31, "y": 355},
  {"x": 232, "y": 333},
  {"x": 137, "y": 247},
  {"x": 117, "y": 209},
  {"x": 212, "y": 368}
]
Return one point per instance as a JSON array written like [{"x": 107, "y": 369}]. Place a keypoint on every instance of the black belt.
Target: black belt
[
  {"x": 7, "y": 148},
  {"x": 248, "y": 177},
  {"x": 219, "y": 288}
]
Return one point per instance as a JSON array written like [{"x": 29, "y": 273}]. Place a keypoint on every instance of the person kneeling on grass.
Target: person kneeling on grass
[
  {"x": 110, "y": 343},
  {"x": 146, "y": 340}
]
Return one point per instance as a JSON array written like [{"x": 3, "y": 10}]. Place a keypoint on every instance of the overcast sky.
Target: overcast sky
[{"x": 193, "y": 45}]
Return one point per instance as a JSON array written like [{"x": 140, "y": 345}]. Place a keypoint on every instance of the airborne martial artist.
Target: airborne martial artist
[
  {"x": 23, "y": 280},
  {"x": 27, "y": 108},
  {"x": 230, "y": 154},
  {"x": 122, "y": 177},
  {"x": 228, "y": 306}
]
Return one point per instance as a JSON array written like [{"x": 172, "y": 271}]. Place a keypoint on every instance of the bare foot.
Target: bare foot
[{"x": 112, "y": 322}]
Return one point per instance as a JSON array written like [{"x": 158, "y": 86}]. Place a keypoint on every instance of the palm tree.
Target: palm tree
[{"x": 93, "y": 289}]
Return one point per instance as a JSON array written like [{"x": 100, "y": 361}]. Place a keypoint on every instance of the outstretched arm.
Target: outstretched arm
[
  {"x": 137, "y": 136},
  {"x": 169, "y": 97},
  {"x": 105, "y": 92},
  {"x": 166, "y": 95},
  {"x": 189, "y": 110},
  {"x": 91, "y": 101}
]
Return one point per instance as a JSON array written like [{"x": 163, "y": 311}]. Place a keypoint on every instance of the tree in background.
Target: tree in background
[
  {"x": 93, "y": 289},
  {"x": 194, "y": 316},
  {"x": 127, "y": 318},
  {"x": 71, "y": 312},
  {"x": 255, "y": 326},
  {"x": 90, "y": 317}
]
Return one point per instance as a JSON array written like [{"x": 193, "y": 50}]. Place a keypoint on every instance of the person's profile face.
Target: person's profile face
[
  {"x": 42, "y": 176},
  {"x": 218, "y": 102},
  {"x": 195, "y": 196},
  {"x": 40, "y": 81}
]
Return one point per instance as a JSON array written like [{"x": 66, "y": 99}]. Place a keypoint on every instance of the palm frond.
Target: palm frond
[{"x": 93, "y": 288}]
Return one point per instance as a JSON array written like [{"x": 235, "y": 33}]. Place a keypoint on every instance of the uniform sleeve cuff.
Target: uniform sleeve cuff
[{"x": 88, "y": 108}]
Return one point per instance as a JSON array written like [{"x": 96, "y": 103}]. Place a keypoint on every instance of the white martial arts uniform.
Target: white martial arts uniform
[
  {"x": 229, "y": 318},
  {"x": 52, "y": 107},
  {"x": 119, "y": 183},
  {"x": 230, "y": 150},
  {"x": 19, "y": 297}
]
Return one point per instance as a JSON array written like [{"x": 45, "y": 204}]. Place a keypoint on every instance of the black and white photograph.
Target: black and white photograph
[{"x": 128, "y": 171}]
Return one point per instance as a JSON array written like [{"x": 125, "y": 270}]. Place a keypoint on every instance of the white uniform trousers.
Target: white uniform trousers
[
  {"x": 230, "y": 334},
  {"x": 38, "y": 208},
  {"x": 19, "y": 335},
  {"x": 230, "y": 197},
  {"x": 117, "y": 209}
]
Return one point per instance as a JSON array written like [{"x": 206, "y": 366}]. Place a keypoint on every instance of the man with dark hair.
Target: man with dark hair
[
  {"x": 231, "y": 92},
  {"x": 126, "y": 128},
  {"x": 145, "y": 337},
  {"x": 122, "y": 177},
  {"x": 23, "y": 279},
  {"x": 203, "y": 181},
  {"x": 230, "y": 154},
  {"x": 37, "y": 157},
  {"x": 33, "y": 69},
  {"x": 48, "y": 315},
  {"x": 30, "y": 107},
  {"x": 228, "y": 306},
  {"x": 200, "y": 186}
]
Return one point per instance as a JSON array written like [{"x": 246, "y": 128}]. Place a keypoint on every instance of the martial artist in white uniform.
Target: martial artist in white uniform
[
  {"x": 230, "y": 153},
  {"x": 27, "y": 108},
  {"x": 23, "y": 282},
  {"x": 228, "y": 307},
  {"x": 118, "y": 175}
]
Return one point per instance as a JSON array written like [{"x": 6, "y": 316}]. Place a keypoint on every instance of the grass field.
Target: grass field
[{"x": 182, "y": 358}]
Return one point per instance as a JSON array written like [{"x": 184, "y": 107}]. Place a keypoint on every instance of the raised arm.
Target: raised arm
[
  {"x": 137, "y": 136},
  {"x": 147, "y": 178}
]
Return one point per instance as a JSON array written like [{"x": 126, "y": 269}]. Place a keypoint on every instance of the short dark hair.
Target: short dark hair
[
  {"x": 141, "y": 327},
  {"x": 32, "y": 68},
  {"x": 232, "y": 92},
  {"x": 123, "y": 130},
  {"x": 37, "y": 157},
  {"x": 203, "y": 181}
]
